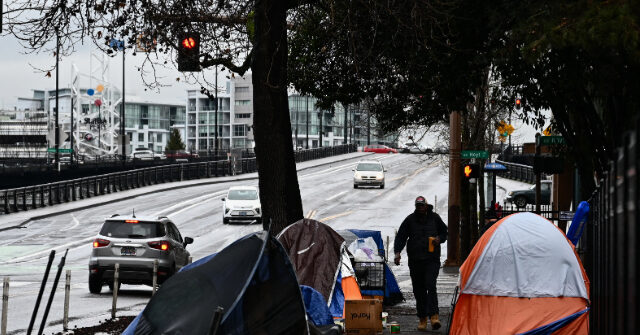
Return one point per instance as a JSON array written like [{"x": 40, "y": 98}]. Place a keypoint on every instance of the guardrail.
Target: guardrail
[{"x": 37, "y": 196}]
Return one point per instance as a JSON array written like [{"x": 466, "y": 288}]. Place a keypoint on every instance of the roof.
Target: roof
[
  {"x": 243, "y": 188},
  {"x": 370, "y": 161},
  {"x": 117, "y": 217}
]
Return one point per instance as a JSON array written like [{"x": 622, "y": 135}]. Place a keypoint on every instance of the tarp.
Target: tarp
[
  {"x": 392, "y": 294},
  {"x": 522, "y": 275},
  {"x": 317, "y": 309},
  {"x": 315, "y": 250},
  {"x": 252, "y": 280}
]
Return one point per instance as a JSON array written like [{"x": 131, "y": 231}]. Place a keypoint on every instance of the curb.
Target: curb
[{"x": 43, "y": 216}]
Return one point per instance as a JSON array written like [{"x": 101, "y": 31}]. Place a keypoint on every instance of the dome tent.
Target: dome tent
[{"x": 522, "y": 277}]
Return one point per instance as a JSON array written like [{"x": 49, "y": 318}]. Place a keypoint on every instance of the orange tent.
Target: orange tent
[{"x": 522, "y": 277}]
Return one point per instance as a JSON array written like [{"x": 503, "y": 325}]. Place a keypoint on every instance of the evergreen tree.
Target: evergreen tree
[{"x": 175, "y": 141}]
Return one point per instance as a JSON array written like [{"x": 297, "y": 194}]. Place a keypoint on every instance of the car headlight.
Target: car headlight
[
  {"x": 510, "y": 193},
  {"x": 379, "y": 177},
  {"x": 226, "y": 210},
  {"x": 257, "y": 210},
  {"x": 357, "y": 175}
]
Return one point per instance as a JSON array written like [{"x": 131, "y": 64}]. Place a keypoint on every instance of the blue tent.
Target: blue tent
[
  {"x": 252, "y": 280},
  {"x": 391, "y": 293}
]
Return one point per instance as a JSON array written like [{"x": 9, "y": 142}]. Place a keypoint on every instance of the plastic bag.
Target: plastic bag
[{"x": 364, "y": 249}]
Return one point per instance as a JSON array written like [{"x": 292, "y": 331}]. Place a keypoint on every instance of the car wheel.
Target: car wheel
[
  {"x": 382, "y": 186},
  {"x": 520, "y": 201},
  {"x": 111, "y": 286},
  {"x": 95, "y": 283}
]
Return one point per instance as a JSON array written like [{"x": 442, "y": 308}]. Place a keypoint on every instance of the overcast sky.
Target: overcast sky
[{"x": 18, "y": 76}]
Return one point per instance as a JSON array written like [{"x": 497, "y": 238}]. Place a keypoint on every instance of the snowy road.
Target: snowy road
[{"x": 327, "y": 193}]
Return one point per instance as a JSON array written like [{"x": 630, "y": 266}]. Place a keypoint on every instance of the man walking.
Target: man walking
[{"x": 425, "y": 231}]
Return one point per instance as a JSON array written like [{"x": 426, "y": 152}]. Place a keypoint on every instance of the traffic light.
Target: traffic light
[
  {"x": 518, "y": 103},
  {"x": 189, "y": 52},
  {"x": 471, "y": 171}
]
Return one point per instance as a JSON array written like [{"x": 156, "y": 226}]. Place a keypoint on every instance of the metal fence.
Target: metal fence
[
  {"x": 518, "y": 172},
  {"x": 608, "y": 246},
  {"x": 37, "y": 196}
]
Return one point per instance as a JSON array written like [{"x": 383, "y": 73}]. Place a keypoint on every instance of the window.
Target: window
[
  {"x": 243, "y": 89},
  {"x": 141, "y": 137},
  {"x": 243, "y": 195},
  {"x": 239, "y": 130},
  {"x": 243, "y": 102},
  {"x": 243, "y": 116}
]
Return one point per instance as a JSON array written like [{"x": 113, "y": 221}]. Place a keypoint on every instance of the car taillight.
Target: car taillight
[
  {"x": 160, "y": 245},
  {"x": 99, "y": 243}
]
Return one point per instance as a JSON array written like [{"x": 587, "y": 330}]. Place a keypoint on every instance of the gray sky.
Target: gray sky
[{"x": 18, "y": 76}]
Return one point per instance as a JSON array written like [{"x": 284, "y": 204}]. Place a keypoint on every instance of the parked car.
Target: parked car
[
  {"x": 242, "y": 204},
  {"x": 143, "y": 154},
  {"x": 521, "y": 198},
  {"x": 135, "y": 243},
  {"x": 368, "y": 173},
  {"x": 380, "y": 149}
]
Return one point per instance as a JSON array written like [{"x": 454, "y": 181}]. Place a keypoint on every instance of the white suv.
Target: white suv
[
  {"x": 368, "y": 173},
  {"x": 242, "y": 204}
]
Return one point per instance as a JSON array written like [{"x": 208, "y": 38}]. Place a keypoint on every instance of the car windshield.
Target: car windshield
[
  {"x": 369, "y": 167},
  {"x": 243, "y": 195},
  {"x": 122, "y": 229}
]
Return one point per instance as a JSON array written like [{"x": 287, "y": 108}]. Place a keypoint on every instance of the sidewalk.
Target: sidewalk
[
  {"x": 405, "y": 313},
  {"x": 19, "y": 219}
]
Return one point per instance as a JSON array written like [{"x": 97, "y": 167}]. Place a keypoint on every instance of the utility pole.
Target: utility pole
[
  {"x": 455, "y": 144},
  {"x": 215, "y": 146},
  {"x": 307, "y": 146},
  {"x": 122, "y": 129}
]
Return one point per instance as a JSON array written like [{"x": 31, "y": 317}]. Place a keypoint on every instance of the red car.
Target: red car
[
  {"x": 180, "y": 155},
  {"x": 380, "y": 149}
]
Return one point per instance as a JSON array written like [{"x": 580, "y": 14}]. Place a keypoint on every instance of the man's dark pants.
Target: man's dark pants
[{"x": 424, "y": 274}]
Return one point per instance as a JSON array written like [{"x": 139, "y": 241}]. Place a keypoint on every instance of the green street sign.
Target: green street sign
[
  {"x": 550, "y": 140},
  {"x": 467, "y": 154},
  {"x": 64, "y": 151}
]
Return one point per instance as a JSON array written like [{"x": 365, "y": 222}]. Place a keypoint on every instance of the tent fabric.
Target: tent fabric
[
  {"x": 481, "y": 314},
  {"x": 392, "y": 293},
  {"x": 317, "y": 309},
  {"x": 259, "y": 294},
  {"x": 521, "y": 245},
  {"x": 315, "y": 250},
  {"x": 557, "y": 325},
  {"x": 522, "y": 275}
]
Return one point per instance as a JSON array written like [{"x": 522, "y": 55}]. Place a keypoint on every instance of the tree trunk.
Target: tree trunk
[{"x": 278, "y": 179}]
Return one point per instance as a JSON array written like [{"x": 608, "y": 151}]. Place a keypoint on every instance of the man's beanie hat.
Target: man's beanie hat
[{"x": 420, "y": 200}]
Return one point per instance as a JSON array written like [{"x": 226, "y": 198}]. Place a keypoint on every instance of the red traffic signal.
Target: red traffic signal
[
  {"x": 188, "y": 42},
  {"x": 518, "y": 103},
  {"x": 189, "y": 52}
]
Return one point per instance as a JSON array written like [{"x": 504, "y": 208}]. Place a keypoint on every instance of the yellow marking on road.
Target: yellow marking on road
[
  {"x": 311, "y": 214},
  {"x": 335, "y": 216}
]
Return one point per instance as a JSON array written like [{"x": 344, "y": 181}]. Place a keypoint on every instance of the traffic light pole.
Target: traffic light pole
[{"x": 57, "y": 127}]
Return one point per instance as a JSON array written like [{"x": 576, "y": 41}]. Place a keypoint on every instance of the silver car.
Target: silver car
[
  {"x": 135, "y": 243},
  {"x": 368, "y": 173}
]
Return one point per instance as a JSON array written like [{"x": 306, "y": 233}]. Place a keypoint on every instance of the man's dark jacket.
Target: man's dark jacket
[{"x": 418, "y": 228}]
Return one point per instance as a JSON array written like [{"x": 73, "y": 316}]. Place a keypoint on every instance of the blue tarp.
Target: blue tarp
[
  {"x": 556, "y": 325},
  {"x": 317, "y": 309}
]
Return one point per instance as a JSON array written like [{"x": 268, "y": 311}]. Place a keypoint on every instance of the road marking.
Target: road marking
[
  {"x": 335, "y": 196},
  {"x": 194, "y": 205},
  {"x": 198, "y": 200},
  {"x": 74, "y": 243},
  {"x": 335, "y": 216},
  {"x": 76, "y": 223}
]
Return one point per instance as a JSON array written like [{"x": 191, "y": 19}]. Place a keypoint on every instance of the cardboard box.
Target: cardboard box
[{"x": 363, "y": 316}]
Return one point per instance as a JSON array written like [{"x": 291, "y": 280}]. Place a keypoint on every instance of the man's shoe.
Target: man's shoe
[
  {"x": 423, "y": 324},
  {"x": 435, "y": 323}
]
